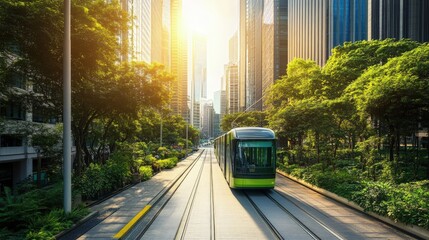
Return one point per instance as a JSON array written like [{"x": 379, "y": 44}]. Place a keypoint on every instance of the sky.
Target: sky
[{"x": 218, "y": 20}]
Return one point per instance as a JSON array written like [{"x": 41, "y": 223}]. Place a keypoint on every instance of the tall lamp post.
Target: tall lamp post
[
  {"x": 67, "y": 108},
  {"x": 187, "y": 129}
]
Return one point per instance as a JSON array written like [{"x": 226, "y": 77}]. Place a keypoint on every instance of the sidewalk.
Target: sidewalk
[{"x": 114, "y": 213}]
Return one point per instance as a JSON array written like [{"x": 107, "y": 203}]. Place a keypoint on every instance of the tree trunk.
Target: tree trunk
[
  {"x": 391, "y": 143},
  {"x": 39, "y": 170},
  {"x": 317, "y": 147}
]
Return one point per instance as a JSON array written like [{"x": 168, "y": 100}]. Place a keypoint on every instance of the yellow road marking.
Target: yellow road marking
[{"x": 131, "y": 223}]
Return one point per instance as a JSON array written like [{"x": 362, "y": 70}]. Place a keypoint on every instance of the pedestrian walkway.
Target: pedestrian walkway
[{"x": 114, "y": 213}]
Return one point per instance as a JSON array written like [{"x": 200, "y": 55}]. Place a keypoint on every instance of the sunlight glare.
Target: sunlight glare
[{"x": 196, "y": 17}]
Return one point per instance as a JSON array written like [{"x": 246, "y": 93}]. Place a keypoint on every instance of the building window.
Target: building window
[
  {"x": 11, "y": 140},
  {"x": 13, "y": 111}
]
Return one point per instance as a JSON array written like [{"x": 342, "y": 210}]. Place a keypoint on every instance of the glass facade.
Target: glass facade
[
  {"x": 309, "y": 30},
  {"x": 399, "y": 19},
  {"x": 349, "y": 21},
  {"x": 250, "y": 55},
  {"x": 269, "y": 53},
  {"x": 231, "y": 75},
  {"x": 282, "y": 41},
  {"x": 199, "y": 77}
]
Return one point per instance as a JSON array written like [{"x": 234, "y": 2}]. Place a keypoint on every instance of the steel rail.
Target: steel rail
[
  {"x": 273, "y": 230},
  {"x": 158, "y": 203},
  {"x": 307, "y": 212},
  {"x": 212, "y": 210},
  {"x": 181, "y": 230},
  {"x": 294, "y": 218}
]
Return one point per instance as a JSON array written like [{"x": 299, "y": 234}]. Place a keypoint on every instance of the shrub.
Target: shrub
[
  {"x": 91, "y": 182},
  {"x": 374, "y": 197},
  {"x": 116, "y": 171},
  {"x": 29, "y": 215},
  {"x": 149, "y": 159},
  {"x": 48, "y": 225},
  {"x": 145, "y": 172},
  {"x": 409, "y": 203},
  {"x": 167, "y": 163}
]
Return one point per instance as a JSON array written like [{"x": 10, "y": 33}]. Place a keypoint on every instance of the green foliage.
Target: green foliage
[
  {"x": 350, "y": 60},
  {"x": 243, "y": 119},
  {"x": 167, "y": 163},
  {"x": 47, "y": 226},
  {"x": 407, "y": 203},
  {"x": 36, "y": 213},
  {"x": 91, "y": 183},
  {"x": 99, "y": 179},
  {"x": 146, "y": 172}
]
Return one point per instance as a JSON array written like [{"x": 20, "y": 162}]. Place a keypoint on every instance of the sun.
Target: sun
[{"x": 197, "y": 18}]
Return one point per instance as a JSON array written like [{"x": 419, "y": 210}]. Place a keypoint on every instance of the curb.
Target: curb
[
  {"x": 414, "y": 230},
  {"x": 77, "y": 224}
]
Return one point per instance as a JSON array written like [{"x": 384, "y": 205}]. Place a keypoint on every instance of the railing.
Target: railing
[{"x": 13, "y": 153}]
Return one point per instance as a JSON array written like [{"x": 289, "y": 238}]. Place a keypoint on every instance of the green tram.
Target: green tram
[{"x": 247, "y": 157}]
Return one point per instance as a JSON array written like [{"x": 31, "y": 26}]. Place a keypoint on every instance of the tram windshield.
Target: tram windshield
[{"x": 255, "y": 157}]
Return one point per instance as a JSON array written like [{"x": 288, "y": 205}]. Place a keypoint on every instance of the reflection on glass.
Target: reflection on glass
[{"x": 255, "y": 157}]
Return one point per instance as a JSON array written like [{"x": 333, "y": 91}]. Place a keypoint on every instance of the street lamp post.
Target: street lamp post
[
  {"x": 67, "y": 108},
  {"x": 160, "y": 134},
  {"x": 187, "y": 129}
]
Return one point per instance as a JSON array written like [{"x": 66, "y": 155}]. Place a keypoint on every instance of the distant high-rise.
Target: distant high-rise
[
  {"x": 219, "y": 107},
  {"x": 148, "y": 38},
  {"x": 250, "y": 48},
  {"x": 262, "y": 49},
  {"x": 207, "y": 120},
  {"x": 166, "y": 33},
  {"x": 156, "y": 31},
  {"x": 199, "y": 77},
  {"x": 231, "y": 76},
  {"x": 179, "y": 62},
  {"x": 274, "y": 43},
  {"x": 156, "y": 35},
  {"x": 139, "y": 33},
  {"x": 233, "y": 48}
]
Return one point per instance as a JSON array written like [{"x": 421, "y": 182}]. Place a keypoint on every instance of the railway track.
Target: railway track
[
  {"x": 286, "y": 219},
  {"x": 178, "y": 207},
  {"x": 159, "y": 202},
  {"x": 188, "y": 209},
  {"x": 184, "y": 223}
]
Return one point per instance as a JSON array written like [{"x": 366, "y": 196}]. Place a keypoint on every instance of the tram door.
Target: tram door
[{"x": 228, "y": 158}]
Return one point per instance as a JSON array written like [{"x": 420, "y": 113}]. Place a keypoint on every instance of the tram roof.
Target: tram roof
[{"x": 253, "y": 133}]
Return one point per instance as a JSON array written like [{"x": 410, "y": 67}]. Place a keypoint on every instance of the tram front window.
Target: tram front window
[{"x": 255, "y": 157}]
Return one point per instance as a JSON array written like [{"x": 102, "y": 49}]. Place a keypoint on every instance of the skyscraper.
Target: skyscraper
[
  {"x": 179, "y": 62},
  {"x": 308, "y": 30},
  {"x": 262, "y": 49},
  {"x": 199, "y": 77},
  {"x": 231, "y": 76},
  {"x": 233, "y": 48},
  {"x": 157, "y": 31},
  {"x": 398, "y": 19},
  {"x": 139, "y": 34},
  {"x": 315, "y": 27},
  {"x": 250, "y": 47},
  {"x": 148, "y": 38}
]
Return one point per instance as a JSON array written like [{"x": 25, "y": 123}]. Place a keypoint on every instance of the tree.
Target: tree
[
  {"x": 397, "y": 94},
  {"x": 350, "y": 60},
  {"x": 46, "y": 142},
  {"x": 303, "y": 81},
  {"x": 243, "y": 119}
]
